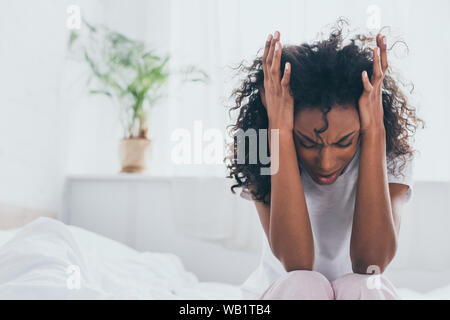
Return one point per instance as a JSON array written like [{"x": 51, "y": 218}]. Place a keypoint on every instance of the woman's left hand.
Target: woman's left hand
[{"x": 370, "y": 102}]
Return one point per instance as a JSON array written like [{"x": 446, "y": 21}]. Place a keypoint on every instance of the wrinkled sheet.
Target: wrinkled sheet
[{"x": 47, "y": 259}]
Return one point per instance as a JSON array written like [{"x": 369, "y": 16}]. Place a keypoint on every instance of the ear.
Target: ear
[{"x": 263, "y": 96}]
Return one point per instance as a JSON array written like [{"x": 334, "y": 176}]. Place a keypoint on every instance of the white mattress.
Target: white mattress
[{"x": 34, "y": 262}]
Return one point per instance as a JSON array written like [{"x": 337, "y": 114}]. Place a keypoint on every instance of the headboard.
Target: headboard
[{"x": 13, "y": 216}]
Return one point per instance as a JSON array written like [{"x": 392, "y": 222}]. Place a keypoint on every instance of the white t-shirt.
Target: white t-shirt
[{"x": 331, "y": 209}]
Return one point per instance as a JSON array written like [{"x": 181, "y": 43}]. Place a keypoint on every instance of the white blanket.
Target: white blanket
[{"x": 47, "y": 259}]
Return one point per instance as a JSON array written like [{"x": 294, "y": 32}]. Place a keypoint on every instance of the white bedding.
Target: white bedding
[{"x": 34, "y": 263}]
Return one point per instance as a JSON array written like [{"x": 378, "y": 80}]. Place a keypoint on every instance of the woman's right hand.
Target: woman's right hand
[{"x": 275, "y": 95}]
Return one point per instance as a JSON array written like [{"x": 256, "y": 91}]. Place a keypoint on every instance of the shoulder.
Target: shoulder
[
  {"x": 400, "y": 169},
  {"x": 247, "y": 194}
]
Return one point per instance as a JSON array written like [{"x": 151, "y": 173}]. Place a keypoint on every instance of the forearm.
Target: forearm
[
  {"x": 373, "y": 239},
  {"x": 290, "y": 231}
]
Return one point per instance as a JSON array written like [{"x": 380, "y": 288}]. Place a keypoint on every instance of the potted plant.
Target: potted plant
[{"x": 129, "y": 72}]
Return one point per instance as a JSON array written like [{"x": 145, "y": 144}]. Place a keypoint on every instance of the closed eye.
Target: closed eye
[
  {"x": 340, "y": 145},
  {"x": 308, "y": 147},
  {"x": 345, "y": 145},
  {"x": 314, "y": 144}
]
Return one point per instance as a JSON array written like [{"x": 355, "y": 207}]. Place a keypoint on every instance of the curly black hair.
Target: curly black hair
[{"x": 324, "y": 73}]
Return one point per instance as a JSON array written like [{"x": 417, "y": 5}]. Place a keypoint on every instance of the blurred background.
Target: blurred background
[{"x": 61, "y": 152}]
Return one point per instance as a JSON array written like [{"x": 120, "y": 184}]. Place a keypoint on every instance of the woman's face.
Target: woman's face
[{"x": 339, "y": 145}]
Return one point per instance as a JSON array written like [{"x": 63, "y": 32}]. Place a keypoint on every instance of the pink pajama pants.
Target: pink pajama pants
[{"x": 312, "y": 285}]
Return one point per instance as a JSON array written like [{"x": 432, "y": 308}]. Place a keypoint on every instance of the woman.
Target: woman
[{"x": 332, "y": 207}]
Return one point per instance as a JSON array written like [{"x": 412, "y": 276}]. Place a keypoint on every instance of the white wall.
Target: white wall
[
  {"x": 49, "y": 126},
  {"x": 32, "y": 117},
  {"x": 218, "y": 34}
]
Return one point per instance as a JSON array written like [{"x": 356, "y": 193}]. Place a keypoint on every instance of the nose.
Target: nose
[{"x": 327, "y": 161}]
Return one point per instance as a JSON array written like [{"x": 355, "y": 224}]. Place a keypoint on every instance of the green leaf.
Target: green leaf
[{"x": 100, "y": 92}]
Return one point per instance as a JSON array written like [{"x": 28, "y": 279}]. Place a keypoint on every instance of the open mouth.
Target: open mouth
[{"x": 327, "y": 179}]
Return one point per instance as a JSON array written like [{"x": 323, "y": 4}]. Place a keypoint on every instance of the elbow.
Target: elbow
[
  {"x": 363, "y": 267},
  {"x": 291, "y": 262},
  {"x": 297, "y": 265},
  {"x": 372, "y": 264}
]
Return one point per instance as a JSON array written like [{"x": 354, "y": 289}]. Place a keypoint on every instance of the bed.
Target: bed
[{"x": 47, "y": 259}]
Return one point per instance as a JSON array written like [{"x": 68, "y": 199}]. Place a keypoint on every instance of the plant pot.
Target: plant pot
[{"x": 134, "y": 154}]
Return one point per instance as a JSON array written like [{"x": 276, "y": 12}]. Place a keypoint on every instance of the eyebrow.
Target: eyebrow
[{"x": 312, "y": 141}]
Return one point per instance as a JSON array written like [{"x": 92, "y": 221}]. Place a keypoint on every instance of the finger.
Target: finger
[
  {"x": 271, "y": 51},
  {"x": 275, "y": 68},
  {"x": 377, "y": 73},
  {"x": 383, "y": 53},
  {"x": 286, "y": 78},
  {"x": 266, "y": 53},
  {"x": 378, "y": 40},
  {"x": 366, "y": 83}
]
